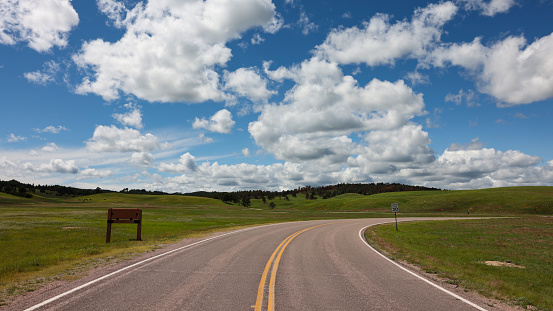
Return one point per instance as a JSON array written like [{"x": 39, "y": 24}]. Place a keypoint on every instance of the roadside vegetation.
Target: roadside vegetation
[
  {"x": 508, "y": 259},
  {"x": 48, "y": 237}
]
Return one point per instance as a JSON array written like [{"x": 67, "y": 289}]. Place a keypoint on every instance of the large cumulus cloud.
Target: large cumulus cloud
[
  {"x": 380, "y": 42},
  {"x": 43, "y": 24},
  {"x": 114, "y": 139},
  {"x": 325, "y": 107},
  {"x": 510, "y": 70},
  {"x": 170, "y": 49}
]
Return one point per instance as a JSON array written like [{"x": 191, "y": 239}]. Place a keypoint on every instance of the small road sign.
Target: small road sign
[{"x": 395, "y": 210}]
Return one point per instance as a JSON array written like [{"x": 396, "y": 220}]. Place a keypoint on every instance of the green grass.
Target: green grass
[
  {"x": 458, "y": 250},
  {"x": 39, "y": 233},
  {"x": 47, "y": 235},
  {"x": 496, "y": 201}
]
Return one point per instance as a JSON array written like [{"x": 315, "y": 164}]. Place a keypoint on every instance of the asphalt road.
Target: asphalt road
[{"x": 315, "y": 265}]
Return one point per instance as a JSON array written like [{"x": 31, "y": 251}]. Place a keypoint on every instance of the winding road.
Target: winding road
[{"x": 311, "y": 265}]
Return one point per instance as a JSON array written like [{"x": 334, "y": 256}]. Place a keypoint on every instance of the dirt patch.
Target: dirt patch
[{"x": 503, "y": 264}]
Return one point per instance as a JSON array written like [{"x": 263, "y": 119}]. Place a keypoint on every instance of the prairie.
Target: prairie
[{"x": 48, "y": 237}]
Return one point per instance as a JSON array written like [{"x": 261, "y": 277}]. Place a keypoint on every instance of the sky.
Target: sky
[{"x": 228, "y": 95}]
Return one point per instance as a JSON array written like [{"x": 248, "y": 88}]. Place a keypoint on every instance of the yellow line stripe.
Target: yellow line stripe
[
  {"x": 272, "y": 282},
  {"x": 261, "y": 288}
]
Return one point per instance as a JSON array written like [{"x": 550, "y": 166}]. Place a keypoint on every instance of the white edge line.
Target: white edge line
[
  {"x": 134, "y": 265},
  {"x": 361, "y": 236}
]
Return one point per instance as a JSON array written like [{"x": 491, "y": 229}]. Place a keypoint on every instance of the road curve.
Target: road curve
[{"x": 312, "y": 265}]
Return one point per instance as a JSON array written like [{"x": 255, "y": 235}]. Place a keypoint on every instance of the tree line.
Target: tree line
[
  {"x": 242, "y": 198},
  {"x": 310, "y": 193},
  {"x": 15, "y": 187}
]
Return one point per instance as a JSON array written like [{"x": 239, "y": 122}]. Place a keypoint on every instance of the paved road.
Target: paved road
[{"x": 315, "y": 265}]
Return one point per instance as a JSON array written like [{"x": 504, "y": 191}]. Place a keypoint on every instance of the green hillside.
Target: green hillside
[
  {"x": 495, "y": 201},
  {"x": 145, "y": 200}
]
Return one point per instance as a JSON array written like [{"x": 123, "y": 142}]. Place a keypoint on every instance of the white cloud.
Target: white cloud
[
  {"x": 459, "y": 167},
  {"x": 132, "y": 118},
  {"x": 417, "y": 78},
  {"x": 519, "y": 74},
  {"x": 306, "y": 25},
  {"x": 520, "y": 116},
  {"x": 454, "y": 169},
  {"x": 475, "y": 144},
  {"x": 246, "y": 152},
  {"x": 388, "y": 154},
  {"x": 464, "y": 166},
  {"x": 246, "y": 82},
  {"x": 187, "y": 163},
  {"x": 209, "y": 177},
  {"x": 277, "y": 75},
  {"x": 510, "y": 70},
  {"x": 433, "y": 120},
  {"x": 114, "y": 10},
  {"x": 469, "y": 55},
  {"x": 113, "y": 139},
  {"x": 51, "y": 129},
  {"x": 171, "y": 49},
  {"x": 275, "y": 24},
  {"x": 290, "y": 2},
  {"x": 43, "y": 24},
  {"x": 93, "y": 173},
  {"x": 204, "y": 139},
  {"x": 406, "y": 145},
  {"x": 379, "y": 42},
  {"x": 144, "y": 159},
  {"x": 12, "y": 138},
  {"x": 220, "y": 122},
  {"x": 468, "y": 97},
  {"x": 324, "y": 107},
  {"x": 47, "y": 75},
  {"x": 55, "y": 166},
  {"x": 489, "y": 8},
  {"x": 6, "y": 163},
  {"x": 50, "y": 147},
  {"x": 257, "y": 39}
]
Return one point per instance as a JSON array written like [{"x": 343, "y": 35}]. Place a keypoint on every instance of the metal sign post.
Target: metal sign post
[{"x": 395, "y": 210}]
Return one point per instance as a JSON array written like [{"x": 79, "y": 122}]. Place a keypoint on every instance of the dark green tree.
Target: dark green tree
[{"x": 246, "y": 201}]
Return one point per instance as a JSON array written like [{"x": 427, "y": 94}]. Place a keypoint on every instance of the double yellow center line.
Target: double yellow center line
[{"x": 274, "y": 263}]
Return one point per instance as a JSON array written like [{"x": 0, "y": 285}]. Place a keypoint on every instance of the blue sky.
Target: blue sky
[{"x": 227, "y": 95}]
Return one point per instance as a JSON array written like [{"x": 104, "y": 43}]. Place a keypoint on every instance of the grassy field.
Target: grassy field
[
  {"x": 509, "y": 258},
  {"x": 47, "y": 237},
  {"x": 496, "y": 201}
]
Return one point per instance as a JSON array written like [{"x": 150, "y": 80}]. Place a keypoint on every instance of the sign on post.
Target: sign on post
[
  {"x": 125, "y": 216},
  {"x": 395, "y": 210}
]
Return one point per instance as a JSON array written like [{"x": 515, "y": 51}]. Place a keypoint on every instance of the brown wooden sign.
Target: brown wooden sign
[{"x": 125, "y": 216}]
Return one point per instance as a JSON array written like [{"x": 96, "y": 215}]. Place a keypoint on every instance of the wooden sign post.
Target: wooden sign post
[{"x": 125, "y": 216}]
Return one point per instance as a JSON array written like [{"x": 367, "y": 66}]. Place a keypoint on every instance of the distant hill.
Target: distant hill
[
  {"x": 17, "y": 188},
  {"x": 312, "y": 193}
]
